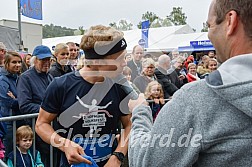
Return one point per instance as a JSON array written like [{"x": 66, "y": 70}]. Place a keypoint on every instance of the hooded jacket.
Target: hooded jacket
[{"x": 207, "y": 123}]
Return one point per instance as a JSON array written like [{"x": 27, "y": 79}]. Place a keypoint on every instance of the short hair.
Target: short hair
[
  {"x": 241, "y": 7},
  {"x": 162, "y": 59},
  {"x": 99, "y": 35},
  {"x": 190, "y": 65},
  {"x": 33, "y": 58},
  {"x": 24, "y": 132},
  {"x": 126, "y": 70},
  {"x": 71, "y": 44},
  {"x": 134, "y": 48},
  {"x": 59, "y": 47},
  {"x": 2, "y": 46},
  {"x": 147, "y": 62},
  {"x": 8, "y": 56}
]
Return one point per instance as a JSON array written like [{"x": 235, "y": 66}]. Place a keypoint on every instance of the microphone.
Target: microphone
[{"x": 126, "y": 87}]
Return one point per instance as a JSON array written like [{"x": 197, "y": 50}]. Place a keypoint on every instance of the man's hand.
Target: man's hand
[
  {"x": 113, "y": 162},
  {"x": 181, "y": 77},
  {"x": 9, "y": 93},
  {"x": 73, "y": 153},
  {"x": 134, "y": 103}
]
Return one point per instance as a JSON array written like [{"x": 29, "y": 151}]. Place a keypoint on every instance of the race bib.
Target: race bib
[{"x": 100, "y": 148}]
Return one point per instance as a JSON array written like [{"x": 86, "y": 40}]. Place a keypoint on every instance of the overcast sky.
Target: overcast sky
[{"x": 75, "y": 13}]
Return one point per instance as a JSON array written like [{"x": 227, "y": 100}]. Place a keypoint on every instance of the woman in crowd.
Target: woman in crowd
[
  {"x": 192, "y": 74},
  {"x": 212, "y": 64},
  {"x": 147, "y": 76},
  {"x": 8, "y": 93},
  {"x": 26, "y": 63},
  {"x": 127, "y": 73},
  {"x": 202, "y": 66},
  {"x": 61, "y": 52}
]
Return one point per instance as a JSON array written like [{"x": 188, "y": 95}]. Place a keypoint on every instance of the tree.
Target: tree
[
  {"x": 50, "y": 31},
  {"x": 123, "y": 25},
  {"x": 148, "y": 16},
  {"x": 177, "y": 17},
  {"x": 81, "y": 29},
  {"x": 113, "y": 24},
  {"x": 205, "y": 28}
]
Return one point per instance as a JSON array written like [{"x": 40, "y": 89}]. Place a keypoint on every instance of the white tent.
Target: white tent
[{"x": 160, "y": 39}]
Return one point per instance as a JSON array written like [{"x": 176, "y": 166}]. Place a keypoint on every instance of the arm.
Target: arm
[
  {"x": 4, "y": 95},
  {"x": 9, "y": 163},
  {"x": 163, "y": 140},
  {"x": 123, "y": 142},
  {"x": 24, "y": 94},
  {"x": 44, "y": 129}
]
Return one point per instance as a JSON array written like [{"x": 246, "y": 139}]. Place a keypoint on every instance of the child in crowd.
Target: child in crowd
[
  {"x": 24, "y": 157},
  {"x": 155, "y": 92},
  {"x": 127, "y": 73}
]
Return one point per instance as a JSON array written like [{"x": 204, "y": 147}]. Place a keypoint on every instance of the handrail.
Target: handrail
[
  {"x": 2, "y": 164},
  {"x": 18, "y": 117},
  {"x": 13, "y": 119}
]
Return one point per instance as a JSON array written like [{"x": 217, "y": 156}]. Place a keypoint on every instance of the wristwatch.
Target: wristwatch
[{"x": 119, "y": 155}]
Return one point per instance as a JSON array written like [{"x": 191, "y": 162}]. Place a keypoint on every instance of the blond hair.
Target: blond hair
[
  {"x": 99, "y": 36},
  {"x": 59, "y": 47},
  {"x": 147, "y": 92},
  {"x": 147, "y": 62}
]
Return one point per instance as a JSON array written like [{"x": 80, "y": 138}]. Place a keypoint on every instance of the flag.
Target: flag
[
  {"x": 145, "y": 32},
  {"x": 31, "y": 9}
]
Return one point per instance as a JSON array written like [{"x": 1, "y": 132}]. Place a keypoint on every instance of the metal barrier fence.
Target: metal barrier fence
[
  {"x": 13, "y": 119},
  {"x": 33, "y": 117}
]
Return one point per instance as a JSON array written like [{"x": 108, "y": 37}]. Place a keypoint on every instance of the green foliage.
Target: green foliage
[
  {"x": 81, "y": 29},
  {"x": 50, "y": 31},
  {"x": 161, "y": 23},
  {"x": 155, "y": 21},
  {"x": 177, "y": 17},
  {"x": 123, "y": 25},
  {"x": 205, "y": 28},
  {"x": 113, "y": 24},
  {"x": 148, "y": 16}
]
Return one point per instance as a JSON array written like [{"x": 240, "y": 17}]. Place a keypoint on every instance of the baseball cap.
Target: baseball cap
[{"x": 42, "y": 52}]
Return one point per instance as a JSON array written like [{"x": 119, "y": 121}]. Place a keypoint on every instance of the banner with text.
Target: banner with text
[{"x": 145, "y": 32}]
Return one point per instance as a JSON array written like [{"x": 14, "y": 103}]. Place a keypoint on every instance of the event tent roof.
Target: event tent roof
[{"x": 160, "y": 39}]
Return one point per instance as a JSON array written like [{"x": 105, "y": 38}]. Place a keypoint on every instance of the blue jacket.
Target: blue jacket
[
  {"x": 8, "y": 105},
  {"x": 8, "y": 83},
  {"x": 31, "y": 88},
  {"x": 19, "y": 163}
]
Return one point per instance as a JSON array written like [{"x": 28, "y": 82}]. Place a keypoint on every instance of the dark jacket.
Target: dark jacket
[
  {"x": 8, "y": 83},
  {"x": 57, "y": 71},
  {"x": 142, "y": 81},
  {"x": 136, "y": 71},
  {"x": 36, "y": 161},
  {"x": 164, "y": 79},
  {"x": 31, "y": 88}
]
